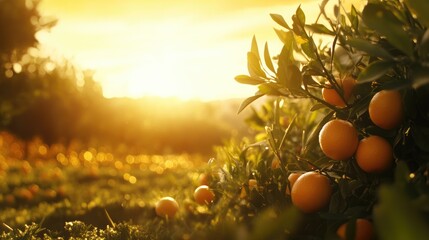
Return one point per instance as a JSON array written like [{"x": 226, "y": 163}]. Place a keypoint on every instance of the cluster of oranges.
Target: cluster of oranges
[
  {"x": 341, "y": 141},
  {"x": 167, "y": 207}
]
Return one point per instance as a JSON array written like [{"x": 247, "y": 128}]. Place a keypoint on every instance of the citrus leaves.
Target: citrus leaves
[
  {"x": 375, "y": 71},
  {"x": 396, "y": 207},
  {"x": 284, "y": 80},
  {"x": 369, "y": 48},
  {"x": 383, "y": 21},
  {"x": 420, "y": 7},
  {"x": 280, "y": 20}
]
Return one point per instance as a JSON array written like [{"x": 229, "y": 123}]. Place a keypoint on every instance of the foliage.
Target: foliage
[
  {"x": 19, "y": 22},
  {"x": 381, "y": 47}
]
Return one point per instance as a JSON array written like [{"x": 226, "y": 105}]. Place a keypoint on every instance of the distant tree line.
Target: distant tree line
[{"x": 54, "y": 100}]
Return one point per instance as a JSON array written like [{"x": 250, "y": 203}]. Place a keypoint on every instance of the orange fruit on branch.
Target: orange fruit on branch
[
  {"x": 204, "y": 179},
  {"x": 338, "y": 139},
  {"x": 385, "y": 109},
  {"x": 166, "y": 207},
  {"x": 275, "y": 163},
  {"x": 364, "y": 230},
  {"x": 311, "y": 192},
  {"x": 203, "y": 195},
  {"x": 374, "y": 154},
  {"x": 331, "y": 96},
  {"x": 292, "y": 179}
]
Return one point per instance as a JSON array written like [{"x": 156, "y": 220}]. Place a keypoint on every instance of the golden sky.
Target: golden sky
[{"x": 181, "y": 48}]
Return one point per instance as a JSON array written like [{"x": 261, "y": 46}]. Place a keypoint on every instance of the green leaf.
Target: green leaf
[
  {"x": 285, "y": 59},
  {"x": 371, "y": 49},
  {"x": 267, "y": 58},
  {"x": 319, "y": 28},
  {"x": 244, "y": 79},
  {"x": 300, "y": 15},
  {"x": 396, "y": 217},
  {"x": 424, "y": 45},
  {"x": 254, "y": 66},
  {"x": 317, "y": 106},
  {"x": 313, "y": 138},
  {"x": 248, "y": 101},
  {"x": 268, "y": 88},
  {"x": 309, "y": 49},
  {"x": 271, "y": 225},
  {"x": 375, "y": 71},
  {"x": 402, "y": 174},
  {"x": 354, "y": 19},
  {"x": 384, "y": 22},
  {"x": 420, "y": 8},
  {"x": 293, "y": 77},
  {"x": 282, "y": 35},
  {"x": 280, "y": 20},
  {"x": 254, "y": 48}
]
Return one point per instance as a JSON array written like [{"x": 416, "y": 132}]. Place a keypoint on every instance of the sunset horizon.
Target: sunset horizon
[{"x": 188, "y": 50}]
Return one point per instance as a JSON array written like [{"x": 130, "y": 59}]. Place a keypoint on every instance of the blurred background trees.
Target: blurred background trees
[{"x": 58, "y": 102}]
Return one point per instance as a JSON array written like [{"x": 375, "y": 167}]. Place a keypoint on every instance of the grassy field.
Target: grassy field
[{"x": 55, "y": 185}]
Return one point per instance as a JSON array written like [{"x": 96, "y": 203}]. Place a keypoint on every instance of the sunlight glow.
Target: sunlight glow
[{"x": 185, "y": 49}]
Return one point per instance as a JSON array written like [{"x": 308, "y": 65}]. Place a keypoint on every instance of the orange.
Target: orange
[
  {"x": 385, "y": 109},
  {"x": 311, "y": 192},
  {"x": 166, "y": 207},
  {"x": 364, "y": 230},
  {"x": 292, "y": 179},
  {"x": 204, "y": 179},
  {"x": 275, "y": 164},
  {"x": 24, "y": 194},
  {"x": 374, "y": 154},
  {"x": 338, "y": 139},
  {"x": 34, "y": 188},
  {"x": 332, "y": 97},
  {"x": 203, "y": 195}
]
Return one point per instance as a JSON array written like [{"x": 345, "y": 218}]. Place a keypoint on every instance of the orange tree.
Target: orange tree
[{"x": 381, "y": 174}]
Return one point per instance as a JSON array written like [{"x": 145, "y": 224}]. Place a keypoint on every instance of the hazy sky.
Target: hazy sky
[{"x": 182, "y": 48}]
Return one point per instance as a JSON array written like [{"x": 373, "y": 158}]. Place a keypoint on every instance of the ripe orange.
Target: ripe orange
[
  {"x": 24, "y": 194},
  {"x": 275, "y": 164},
  {"x": 204, "y": 179},
  {"x": 332, "y": 97},
  {"x": 374, "y": 154},
  {"x": 311, "y": 192},
  {"x": 203, "y": 195},
  {"x": 338, "y": 139},
  {"x": 166, "y": 207},
  {"x": 292, "y": 179},
  {"x": 364, "y": 230},
  {"x": 49, "y": 193},
  {"x": 34, "y": 188},
  {"x": 385, "y": 109}
]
